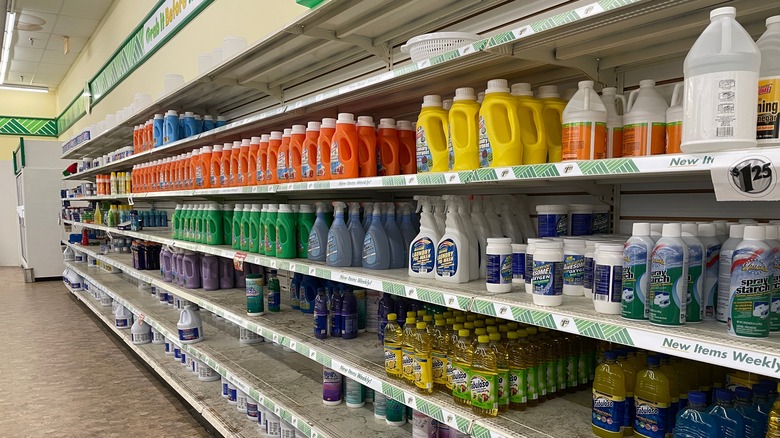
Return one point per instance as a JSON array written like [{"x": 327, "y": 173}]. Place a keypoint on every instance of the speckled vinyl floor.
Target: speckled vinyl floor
[{"x": 62, "y": 375}]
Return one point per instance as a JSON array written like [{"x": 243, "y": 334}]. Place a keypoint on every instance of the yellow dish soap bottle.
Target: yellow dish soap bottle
[
  {"x": 423, "y": 375},
  {"x": 393, "y": 342},
  {"x": 609, "y": 398},
  {"x": 432, "y": 129},
  {"x": 484, "y": 379},
  {"x": 499, "y": 127},
  {"x": 529, "y": 111},
  {"x": 552, "y": 120}
]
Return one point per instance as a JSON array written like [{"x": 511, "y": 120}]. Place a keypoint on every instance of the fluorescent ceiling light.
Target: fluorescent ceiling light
[
  {"x": 24, "y": 88},
  {"x": 10, "y": 20}
]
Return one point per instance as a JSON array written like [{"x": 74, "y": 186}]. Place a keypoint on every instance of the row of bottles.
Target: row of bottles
[{"x": 117, "y": 183}]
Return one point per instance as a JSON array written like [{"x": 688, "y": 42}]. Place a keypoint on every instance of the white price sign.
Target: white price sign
[{"x": 746, "y": 176}]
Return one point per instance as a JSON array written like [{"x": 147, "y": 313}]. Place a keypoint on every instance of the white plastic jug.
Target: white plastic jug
[
  {"x": 190, "y": 326},
  {"x": 584, "y": 125},
  {"x": 614, "y": 121},
  {"x": 768, "y": 127},
  {"x": 644, "y": 123},
  {"x": 721, "y": 87},
  {"x": 674, "y": 117}
]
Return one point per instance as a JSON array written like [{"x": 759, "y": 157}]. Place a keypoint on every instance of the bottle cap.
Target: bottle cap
[
  {"x": 707, "y": 230},
  {"x": 586, "y": 84},
  {"x": 754, "y": 232},
  {"x": 287, "y": 132},
  {"x": 497, "y": 86},
  {"x": 276, "y": 135},
  {"x": 421, "y": 325},
  {"x": 431, "y": 100},
  {"x": 609, "y": 91},
  {"x": 483, "y": 339},
  {"x": 742, "y": 393},
  {"x": 723, "y": 394},
  {"x": 346, "y": 118},
  {"x": 725, "y": 11},
  {"x": 465, "y": 93},
  {"x": 547, "y": 91},
  {"x": 761, "y": 389},
  {"x": 522, "y": 89},
  {"x": 298, "y": 129},
  {"x": 494, "y": 336},
  {"x": 646, "y": 83},
  {"x": 328, "y": 123},
  {"x": 771, "y": 232},
  {"x": 245, "y": 142},
  {"x": 653, "y": 360},
  {"x": 511, "y": 335},
  {"x": 386, "y": 123},
  {"x": 313, "y": 126},
  {"x": 264, "y": 138},
  {"x": 672, "y": 230},
  {"x": 404, "y": 125},
  {"x": 392, "y": 317},
  {"x": 463, "y": 333},
  {"x": 610, "y": 355},
  {"x": 697, "y": 397}
]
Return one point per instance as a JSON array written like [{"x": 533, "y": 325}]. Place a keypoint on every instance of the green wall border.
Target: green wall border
[{"x": 28, "y": 126}]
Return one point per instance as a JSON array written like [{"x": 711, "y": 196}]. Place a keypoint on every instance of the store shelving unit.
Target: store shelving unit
[{"x": 344, "y": 56}]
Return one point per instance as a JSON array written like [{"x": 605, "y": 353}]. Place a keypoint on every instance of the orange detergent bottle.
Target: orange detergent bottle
[
  {"x": 366, "y": 146},
  {"x": 235, "y": 154},
  {"x": 224, "y": 165},
  {"x": 215, "y": 165},
  {"x": 262, "y": 160},
  {"x": 327, "y": 129},
  {"x": 271, "y": 175},
  {"x": 309, "y": 152},
  {"x": 283, "y": 157},
  {"x": 242, "y": 177},
  {"x": 387, "y": 149},
  {"x": 251, "y": 162},
  {"x": 344, "y": 161},
  {"x": 407, "y": 148},
  {"x": 189, "y": 169},
  {"x": 203, "y": 168},
  {"x": 296, "y": 148}
]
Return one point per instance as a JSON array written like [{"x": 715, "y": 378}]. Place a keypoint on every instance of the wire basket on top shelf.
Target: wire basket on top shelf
[{"x": 429, "y": 45}]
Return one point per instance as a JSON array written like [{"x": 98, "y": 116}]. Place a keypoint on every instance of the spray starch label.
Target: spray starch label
[
  {"x": 750, "y": 294},
  {"x": 485, "y": 148},
  {"x": 499, "y": 268},
  {"x": 668, "y": 285},
  {"x": 573, "y": 269},
  {"x": 650, "y": 420},
  {"x": 424, "y": 156},
  {"x": 768, "y": 124},
  {"x": 712, "y": 260},
  {"x": 422, "y": 258},
  {"x": 608, "y": 411},
  {"x": 446, "y": 258},
  {"x": 694, "y": 310},
  {"x": 547, "y": 277},
  {"x": 635, "y": 282}
]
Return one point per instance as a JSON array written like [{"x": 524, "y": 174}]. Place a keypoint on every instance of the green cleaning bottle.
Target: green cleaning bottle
[
  {"x": 304, "y": 223},
  {"x": 212, "y": 225},
  {"x": 238, "y": 212},
  {"x": 285, "y": 245},
  {"x": 254, "y": 227}
]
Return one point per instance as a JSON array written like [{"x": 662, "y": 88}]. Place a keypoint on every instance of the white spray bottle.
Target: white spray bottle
[
  {"x": 439, "y": 213},
  {"x": 480, "y": 224},
  {"x": 493, "y": 221},
  {"x": 422, "y": 250},
  {"x": 452, "y": 251},
  {"x": 522, "y": 216},
  {"x": 465, "y": 218},
  {"x": 509, "y": 227}
]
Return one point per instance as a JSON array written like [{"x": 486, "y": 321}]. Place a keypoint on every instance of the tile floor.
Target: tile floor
[{"x": 63, "y": 375}]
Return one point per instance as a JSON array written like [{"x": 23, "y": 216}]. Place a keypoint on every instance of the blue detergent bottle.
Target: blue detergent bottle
[
  {"x": 181, "y": 126},
  {"x": 395, "y": 238},
  {"x": 694, "y": 421},
  {"x": 221, "y": 121},
  {"x": 754, "y": 421},
  {"x": 349, "y": 318},
  {"x": 368, "y": 208},
  {"x": 318, "y": 236},
  {"x": 408, "y": 231},
  {"x": 356, "y": 234},
  {"x": 376, "y": 247},
  {"x": 208, "y": 123},
  {"x": 191, "y": 126},
  {"x": 339, "y": 247},
  {"x": 158, "y": 129},
  {"x": 763, "y": 403},
  {"x": 336, "y": 318},
  {"x": 730, "y": 423},
  {"x": 307, "y": 293},
  {"x": 295, "y": 291},
  {"x": 171, "y": 127}
]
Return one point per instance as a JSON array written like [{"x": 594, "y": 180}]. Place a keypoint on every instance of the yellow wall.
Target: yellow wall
[{"x": 23, "y": 104}]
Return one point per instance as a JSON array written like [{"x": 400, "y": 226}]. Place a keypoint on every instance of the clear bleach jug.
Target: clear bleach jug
[
  {"x": 584, "y": 134},
  {"x": 499, "y": 127},
  {"x": 614, "y": 121},
  {"x": 431, "y": 139},
  {"x": 721, "y": 85},
  {"x": 464, "y": 133},
  {"x": 768, "y": 127},
  {"x": 344, "y": 158},
  {"x": 366, "y": 132},
  {"x": 407, "y": 147},
  {"x": 529, "y": 114},
  {"x": 552, "y": 119},
  {"x": 674, "y": 117},
  {"x": 644, "y": 123},
  {"x": 387, "y": 149}
]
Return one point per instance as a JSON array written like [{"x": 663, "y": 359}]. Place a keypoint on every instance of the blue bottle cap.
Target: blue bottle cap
[
  {"x": 621, "y": 352},
  {"x": 653, "y": 360},
  {"x": 722, "y": 394},
  {"x": 610, "y": 355},
  {"x": 743, "y": 393},
  {"x": 697, "y": 397},
  {"x": 761, "y": 390}
]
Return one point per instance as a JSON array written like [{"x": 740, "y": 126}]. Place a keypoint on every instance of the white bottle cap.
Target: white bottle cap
[
  {"x": 672, "y": 230},
  {"x": 546, "y": 91},
  {"x": 328, "y": 122},
  {"x": 239, "y": 207},
  {"x": 287, "y": 132},
  {"x": 189, "y": 114},
  {"x": 276, "y": 135},
  {"x": 522, "y": 89},
  {"x": 217, "y": 148},
  {"x": 609, "y": 91},
  {"x": 227, "y": 147},
  {"x": 346, "y": 118},
  {"x": 158, "y": 116},
  {"x": 386, "y": 123},
  {"x": 207, "y": 117},
  {"x": 247, "y": 207},
  {"x": 237, "y": 145},
  {"x": 306, "y": 208},
  {"x": 446, "y": 104},
  {"x": 646, "y": 83},
  {"x": 585, "y": 84},
  {"x": 299, "y": 129},
  {"x": 193, "y": 153},
  {"x": 313, "y": 126},
  {"x": 365, "y": 121},
  {"x": 404, "y": 125},
  {"x": 465, "y": 93},
  {"x": 285, "y": 208},
  {"x": 725, "y": 11},
  {"x": 736, "y": 231},
  {"x": 497, "y": 86},
  {"x": 691, "y": 229},
  {"x": 254, "y": 140},
  {"x": 771, "y": 232},
  {"x": 640, "y": 229},
  {"x": 245, "y": 142},
  {"x": 772, "y": 20},
  {"x": 707, "y": 230},
  {"x": 657, "y": 227},
  {"x": 431, "y": 100},
  {"x": 264, "y": 138},
  {"x": 171, "y": 113},
  {"x": 754, "y": 232}
]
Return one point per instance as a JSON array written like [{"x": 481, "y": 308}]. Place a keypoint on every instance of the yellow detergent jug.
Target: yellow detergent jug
[
  {"x": 529, "y": 112},
  {"x": 552, "y": 120},
  {"x": 653, "y": 401},
  {"x": 499, "y": 127},
  {"x": 432, "y": 129},
  {"x": 609, "y": 398},
  {"x": 464, "y": 134}
]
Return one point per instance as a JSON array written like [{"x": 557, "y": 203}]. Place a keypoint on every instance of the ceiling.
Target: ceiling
[{"x": 37, "y": 54}]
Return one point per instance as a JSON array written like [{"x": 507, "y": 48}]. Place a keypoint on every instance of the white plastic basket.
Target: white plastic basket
[{"x": 429, "y": 45}]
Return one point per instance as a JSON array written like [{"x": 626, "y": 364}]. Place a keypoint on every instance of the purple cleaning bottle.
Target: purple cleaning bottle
[
  {"x": 178, "y": 258},
  {"x": 226, "y": 280},
  {"x": 209, "y": 272},
  {"x": 239, "y": 277},
  {"x": 349, "y": 320},
  {"x": 336, "y": 321},
  {"x": 191, "y": 269},
  {"x": 321, "y": 314},
  {"x": 166, "y": 264}
]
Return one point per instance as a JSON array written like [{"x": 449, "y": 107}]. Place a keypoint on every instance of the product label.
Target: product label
[
  {"x": 518, "y": 385},
  {"x": 573, "y": 269},
  {"x": 281, "y": 166},
  {"x": 668, "y": 285},
  {"x": 607, "y": 283},
  {"x": 393, "y": 360},
  {"x": 315, "y": 248},
  {"x": 499, "y": 268},
  {"x": 551, "y": 378},
  {"x": 724, "y": 283},
  {"x": 484, "y": 390},
  {"x": 581, "y": 224},
  {"x": 572, "y": 371},
  {"x": 422, "y": 257},
  {"x": 750, "y": 294},
  {"x": 224, "y": 174},
  {"x": 608, "y": 411},
  {"x": 529, "y": 268},
  {"x": 650, "y": 420},
  {"x": 407, "y": 359},
  {"x": 446, "y": 258},
  {"x": 774, "y": 315},
  {"x": 331, "y": 385},
  {"x": 560, "y": 372},
  {"x": 450, "y": 369},
  {"x": 122, "y": 322},
  {"x": 439, "y": 367},
  {"x": 307, "y": 170},
  {"x": 768, "y": 125},
  {"x": 198, "y": 176},
  {"x": 541, "y": 378},
  {"x": 694, "y": 309},
  {"x": 421, "y": 371},
  {"x": 254, "y": 297},
  {"x": 673, "y": 137},
  {"x": 518, "y": 266},
  {"x": 601, "y": 223},
  {"x": 369, "y": 249},
  {"x": 503, "y": 387},
  {"x": 189, "y": 334},
  {"x": 584, "y": 140},
  {"x": 587, "y": 274},
  {"x": 614, "y": 145},
  {"x": 321, "y": 325},
  {"x": 532, "y": 383},
  {"x": 331, "y": 251},
  {"x": 727, "y": 101},
  {"x": 322, "y": 154},
  {"x": 424, "y": 156},
  {"x": 350, "y": 325},
  {"x": 641, "y": 139},
  {"x": 485, "y": 148},
  {"x": 712, "y": 258},
  {"x": 553, "y": 225},
  {"x": 450, "y": 149},
  {"x": 461, "y": 381},
  {"x": 260, "y": 173},
  {"x": 636, "y": 282},
  {"x": 547, "y": 278},
  {"x": 336, "y": 166}
]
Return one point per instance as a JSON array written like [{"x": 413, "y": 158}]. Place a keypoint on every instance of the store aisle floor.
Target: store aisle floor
[{"x": 62, "y": 375}]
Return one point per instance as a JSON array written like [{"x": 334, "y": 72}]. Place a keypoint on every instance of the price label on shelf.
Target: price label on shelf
[
  {"x": 746, "y": 176},
  {"x": 238, "y": 261}
]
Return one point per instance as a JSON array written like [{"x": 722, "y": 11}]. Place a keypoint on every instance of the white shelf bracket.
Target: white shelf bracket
[
  {"x": 604, "y": 192},
  {"x": 276, "y": 92},
  {"x": 381, "y": 51},
  {"x": 587, "y": 65}
]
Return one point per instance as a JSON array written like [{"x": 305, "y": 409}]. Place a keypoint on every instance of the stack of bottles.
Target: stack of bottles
[
  {"x": 172, "y": 126},
  {"x": 195, "y": 271},
  {"x": 117, "y": 183},
  {"x": 146, "y": 255},
  {"x": 651, "y": 394}
]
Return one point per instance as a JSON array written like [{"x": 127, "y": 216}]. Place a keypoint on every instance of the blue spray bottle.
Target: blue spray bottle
[
  {"x": 694, "y": 421},
  {"x": 368, "y": 207},
  {"x": 396, "y": 240},
  {"x": 406, "y": 225},
  {"x": 339, "y": 250},
  {"x": 318, "y": 237},
  {"x": 356, "y": 234},
  {"x": 730, "y": 422},
  {"x": 376, "y": 247}
]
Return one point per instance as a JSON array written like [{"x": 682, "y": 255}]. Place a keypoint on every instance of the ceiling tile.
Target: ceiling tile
[
  {"x": 14, "y": 76},
  {"x": 48, "y": 80},
  {"x": 28, "y": 18},
  {"x": 52, "y": 69},
  {"x": 23, "y": 39},
  {"x": 23, "y": 66},
  {"x": 50, "y": 6},
  {"x": 57, "y": 57},
  {"x": 26, "y": 54},
  {"x": 90, "y": 9},
  {"x": 76, "y": 44},
  {"x": 72, "y": 26}
]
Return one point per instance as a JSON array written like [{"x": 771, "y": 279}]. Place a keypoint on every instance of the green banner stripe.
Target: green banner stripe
[{"x": 29, "y": 126}]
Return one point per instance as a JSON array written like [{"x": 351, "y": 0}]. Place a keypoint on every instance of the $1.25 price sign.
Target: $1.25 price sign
[{"x": 746, "y": 176}]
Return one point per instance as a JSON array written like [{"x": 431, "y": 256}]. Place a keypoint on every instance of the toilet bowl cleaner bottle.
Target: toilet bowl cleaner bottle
[
  {"x": 532, "y": 133},
  {"x": 344, "y": 148},
  {"x": 309, "y": 153},
  {"x": 367, "y": 141},
  {"x": 422, "y": 250},
  {"x": 376, "y": 246},
  {"x": 339, "y": 246},
  {"x": 463, "y": 121},
  {"x": 500, "y": 143},
  {"x": 387, "y": 149},
  {"x": 552, "y": 119},
  {"x": 614, "y": 121},
  {"x": 452, "y": 250},
  {"x": 407, "y": 147},
  {"x": 721, "y": 85},
  {"x": 751, "y": 286},
  {"x": 768, "y": 124},
  {"x": 584, "y": 134},
  {"x": 431, "y": 139},
  {"x": 644, "y": 123}
]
